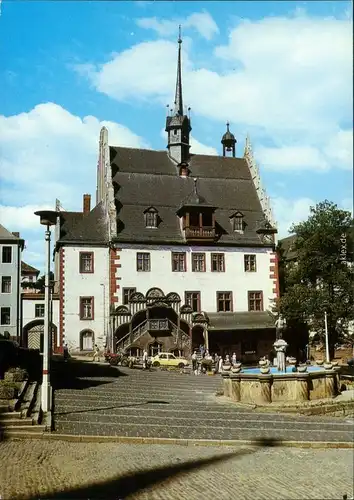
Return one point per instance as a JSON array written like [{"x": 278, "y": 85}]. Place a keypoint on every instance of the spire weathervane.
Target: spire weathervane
[{"x": 178, "y": 95}]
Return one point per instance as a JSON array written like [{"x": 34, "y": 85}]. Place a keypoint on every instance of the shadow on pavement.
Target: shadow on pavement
[
  {"x": 130, "y": 484},
  {"x": 132, "y": 405},
  {"x": 77, "y": 374}
]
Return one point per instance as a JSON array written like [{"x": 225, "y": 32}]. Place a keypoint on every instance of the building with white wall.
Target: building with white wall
[
  {"x": 11, "y": 246},
  {"x": 29, "y": 277},
  {"x": 32, "y": 312},
  {"x": 179, "y": 250},
  {"x": 82, "y": 271}
]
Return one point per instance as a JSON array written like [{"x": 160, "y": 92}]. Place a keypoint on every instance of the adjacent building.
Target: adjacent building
[
  {"x": 11, "y": 246},
  {"x": 178, "y": 251},
  {"x": 29, "y": 277}
]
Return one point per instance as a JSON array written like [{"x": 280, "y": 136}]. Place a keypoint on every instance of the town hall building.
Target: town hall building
[{"x": 178, "y": 251}]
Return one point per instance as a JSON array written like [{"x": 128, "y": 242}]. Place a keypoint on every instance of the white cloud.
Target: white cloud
[
  {"x": 22, "y": 218},
  {"x": 292, "y": 83},
  {"x": 288, "y": 212},
  {"x": 291, "y": 158},
  {"x": 340, "y": 149},
  {"x": 46, "y": 146},
  {"x": 202, "y": 22},
  {"x": 49, "y": 153}
]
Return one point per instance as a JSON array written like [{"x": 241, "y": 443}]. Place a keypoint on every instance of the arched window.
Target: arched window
[
  {"x": 86, "y": 340},
  {"x": 151, "y": 218}
]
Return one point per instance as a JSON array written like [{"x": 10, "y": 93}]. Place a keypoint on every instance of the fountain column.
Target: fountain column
[{"x": 280, "y": 347}]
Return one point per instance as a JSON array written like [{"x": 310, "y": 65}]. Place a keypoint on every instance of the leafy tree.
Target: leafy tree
[
  {"x": 321, "y": 279},
  {"x": 40, "y": 283}
]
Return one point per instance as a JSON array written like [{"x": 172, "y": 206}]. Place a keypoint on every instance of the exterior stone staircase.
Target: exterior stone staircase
[
  {"x": 128, "y": 339},
  {"x": 22, "y": 417}
]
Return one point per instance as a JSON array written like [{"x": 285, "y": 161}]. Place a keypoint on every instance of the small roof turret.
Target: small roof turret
[{"x": 228, "y": 141}]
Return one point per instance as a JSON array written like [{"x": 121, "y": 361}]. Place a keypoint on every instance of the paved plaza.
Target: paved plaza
[
  {"x": 58, "y": 469},
  {"x": 103, "y": 400}
]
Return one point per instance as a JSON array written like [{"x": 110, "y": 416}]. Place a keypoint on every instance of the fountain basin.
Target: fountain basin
[{"x": 252, "y": 386}]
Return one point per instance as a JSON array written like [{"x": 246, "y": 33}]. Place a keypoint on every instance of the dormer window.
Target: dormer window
[
  {"x": 237, "y": 222},
  {"x": 151, "y": 217}
]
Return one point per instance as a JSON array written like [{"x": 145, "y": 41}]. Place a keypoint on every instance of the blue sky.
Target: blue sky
[{"x": 280, "y": 71}]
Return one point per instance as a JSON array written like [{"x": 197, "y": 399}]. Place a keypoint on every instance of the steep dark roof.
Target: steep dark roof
[
  {"x": 26, "y": 268},
  {"x": 142, "y": 178},
  {"x": 77, "y": 227},
  {"x": 240, "y": 320}
]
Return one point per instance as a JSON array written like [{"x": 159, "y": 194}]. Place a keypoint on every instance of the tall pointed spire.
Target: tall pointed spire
[
  {"x": 178, "y": 125},
  {"x": 178, "y": 96}
]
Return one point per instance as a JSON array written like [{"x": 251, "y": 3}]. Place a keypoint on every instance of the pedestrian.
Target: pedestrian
[
  {"x": 233, "y": 358},
  {"x": 202, "y": 350},
  {"x": 195, "y": 362},
  {"x": 220, "y": 364},
  {"x": 66, "y": 352},
  {"x": 145, "y": 358},
  {"x": 96, "y": 353}
]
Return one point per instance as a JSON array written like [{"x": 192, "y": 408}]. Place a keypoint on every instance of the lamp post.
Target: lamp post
[{"x": 47, "y": 218}]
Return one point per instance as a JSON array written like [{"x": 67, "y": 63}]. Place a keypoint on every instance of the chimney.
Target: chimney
[
  {"x": 86, "y": 203},
  {"x": 15, "y": 233}
]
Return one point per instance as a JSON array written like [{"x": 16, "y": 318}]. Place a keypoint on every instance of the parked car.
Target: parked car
[{"x": 168, "y": 359}]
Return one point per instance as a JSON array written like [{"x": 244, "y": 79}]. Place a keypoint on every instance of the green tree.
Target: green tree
[
  {"x": 321, "y": 279},
  {"x": 39, "y": 285}
]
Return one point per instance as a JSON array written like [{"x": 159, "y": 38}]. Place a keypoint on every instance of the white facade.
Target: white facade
[
  {"x": 234, "y": 279},
  {"x": 82, "y": 334},
  {"x": 33, "y": 320}
]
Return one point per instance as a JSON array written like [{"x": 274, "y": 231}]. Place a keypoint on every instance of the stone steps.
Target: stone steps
[
  {"x": 24, "y": 415},
  {"x": 215, "y": 433}
]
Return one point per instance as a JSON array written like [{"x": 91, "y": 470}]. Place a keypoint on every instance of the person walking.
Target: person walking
[
  {"x": 66, "y": 352},
  {"x": 195, "y": 363},
  {"x": 96, "y": 354},
  {"x": 220, "y": 364},
  {"x": 145, "y": 358}
]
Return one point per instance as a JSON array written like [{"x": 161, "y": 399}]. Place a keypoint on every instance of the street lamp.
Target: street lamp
[{"x": 47, "y": 218}]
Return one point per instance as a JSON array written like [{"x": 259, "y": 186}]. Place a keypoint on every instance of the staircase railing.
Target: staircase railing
[
  {"x": 125, "y": 341},
  {"x": 129, "y": 338}
]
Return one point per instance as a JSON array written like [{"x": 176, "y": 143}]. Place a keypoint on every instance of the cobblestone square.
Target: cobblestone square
[{"x": 47, "y": 469}]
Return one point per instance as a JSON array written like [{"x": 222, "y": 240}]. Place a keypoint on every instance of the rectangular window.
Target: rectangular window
[
  {"x": 178, "y": 261},
  {"x": 86, "y": 262},
  {"x": 126, "y": 294},
  {"x": 6, "y": 284},
  {"x": 86, "y": 308},
  {"x": 198, "y": 262},
  {"x": 6, "y": 255},
  {"x": 224, "y": 301},
  {"x": 192, "y": 299},
  {"x": 255, "y": 301},
  {"x": 143, "y": 261},
  {"x": 250, "y": 263},
  {"x": 39, "y": 310},
  {"x": 5, "y": 316},
  {"x": 218, "y": 262}
]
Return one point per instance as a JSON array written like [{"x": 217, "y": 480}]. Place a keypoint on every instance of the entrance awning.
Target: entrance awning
[{"x": 240, "y": 321}]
